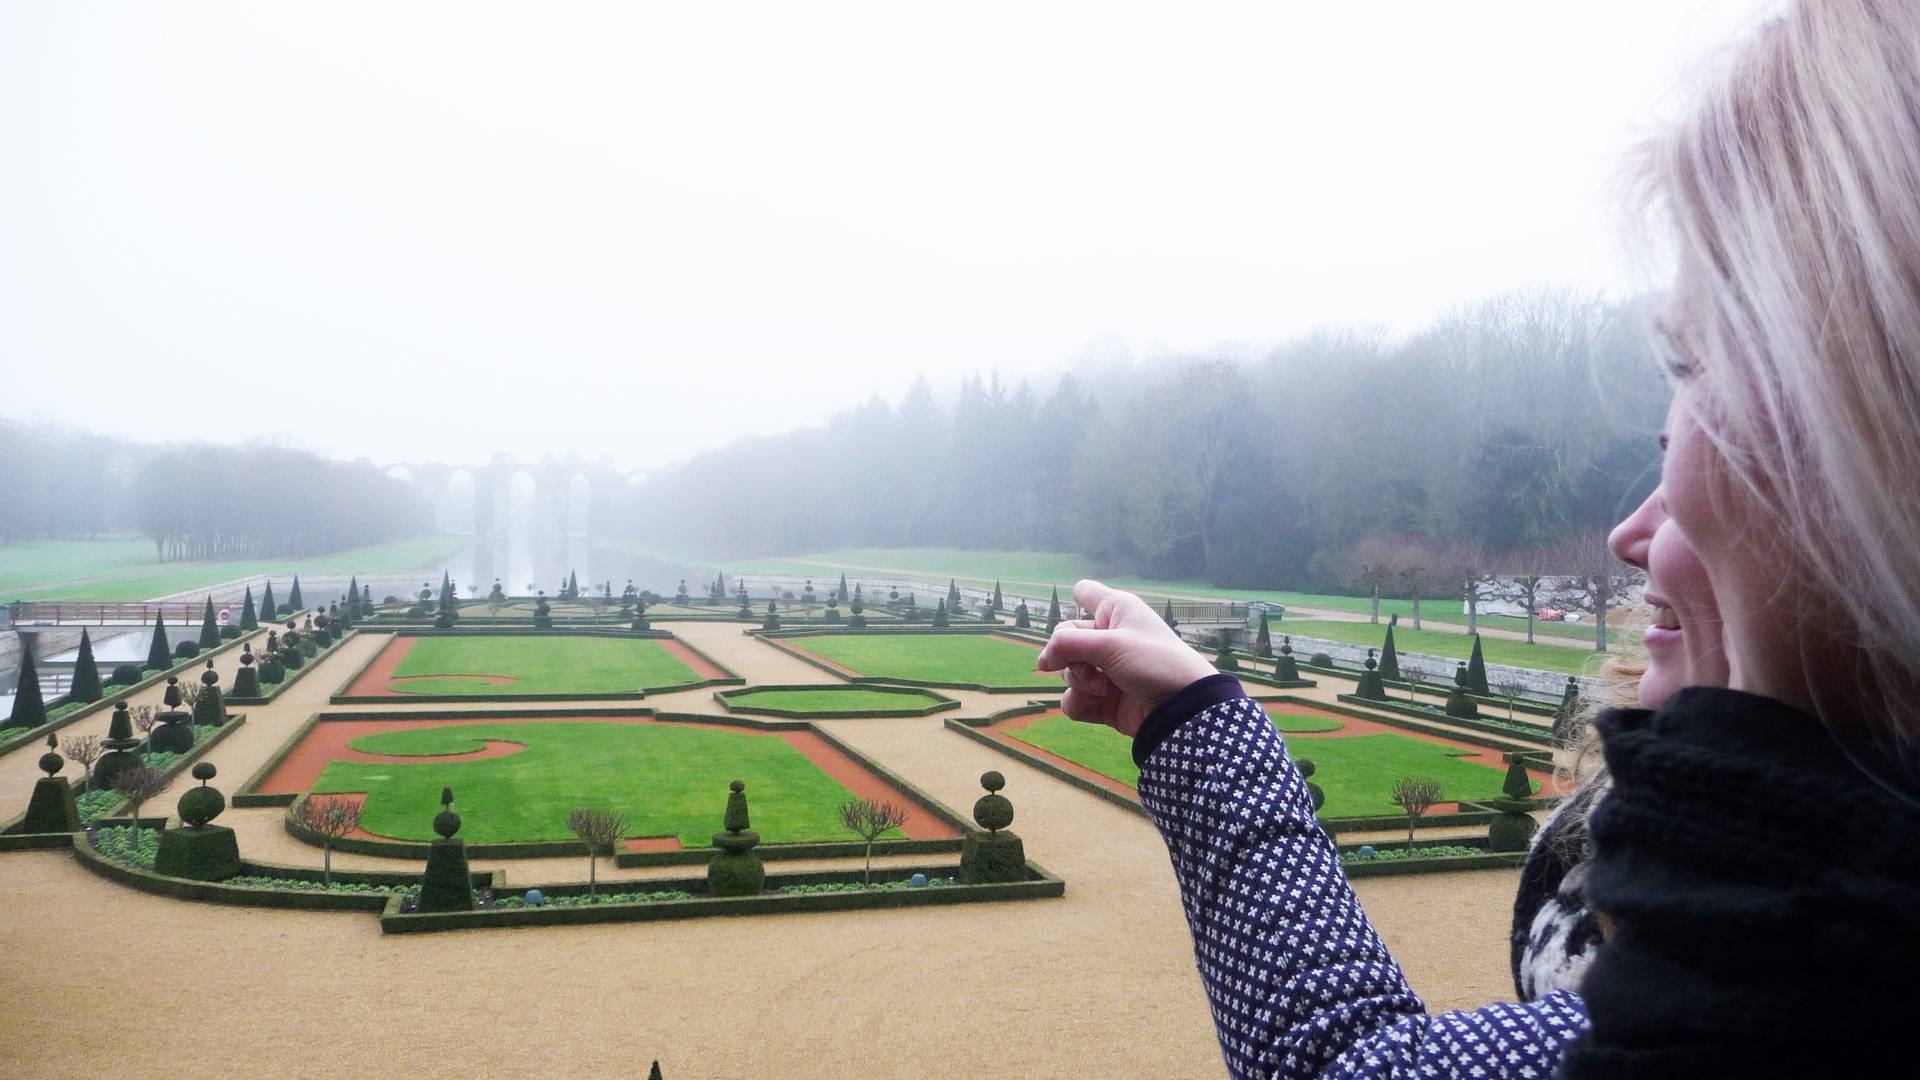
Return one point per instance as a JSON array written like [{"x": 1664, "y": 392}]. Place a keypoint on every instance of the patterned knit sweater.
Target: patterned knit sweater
[{"x": 1300, "y": 984}]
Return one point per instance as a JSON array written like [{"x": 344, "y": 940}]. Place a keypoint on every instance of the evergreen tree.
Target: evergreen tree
[
  {"x": 353, "y": 597},
  {"x": 573, "y": 585},
  {"x": 249, "y": 619},
  {"x": 294, "y": 603},
  {"x": 159, "y": 654},
  {"x": 1477, "y": 670},
  {"x": 1053, "y": 610},
  {"x": 209, "y": 627},
  {"x": 86, "y": 674},
  {"x": 1166, "y": 615},
  {"x": 843, "y": 588},
  {"x": 448, "y": 608},
  {"x": 1389, "y": 656},
  {"x": 999, "y": 602},
  {"x": 29, "y": 709},
  {"x": 268, "y": 613},
  {"x": 1263, "y": 641}
]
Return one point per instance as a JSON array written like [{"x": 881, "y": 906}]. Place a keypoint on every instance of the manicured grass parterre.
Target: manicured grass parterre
[
  {"x": 123, "y": 568},
  {"x": 537, "y": 665},
  {"x": 668, "y": 780},
  {"x": 1356, "y": 772},
  {"x": 827, "y": 700},
  {"x": 948, "y": 658}
]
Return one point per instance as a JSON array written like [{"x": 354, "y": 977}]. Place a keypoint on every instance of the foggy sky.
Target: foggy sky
[{"x": 417, "y": 232}]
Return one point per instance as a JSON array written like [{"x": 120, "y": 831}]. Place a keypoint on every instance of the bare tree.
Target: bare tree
[
  {"x": 1529, "y": 581},
  {"x": 1418, "y": 676},
  {"x": 137, "y": 785},
  {"x": 145, "y": 716},
  {"x": 869, "y": 821},
  {"x": 1368, "y": 566},
  {"x": 1595, "y": 581},
  {"x": 329, "y": 818},
  {"x": 599, "y": 830},
  {"x": 1471, "y": 565},
  {"x": 1511, "y": 689},
  {"x": 86, "y": 750},
  {"x": 1416, "y": 797},
  {"x": 1420, "y": 570}
]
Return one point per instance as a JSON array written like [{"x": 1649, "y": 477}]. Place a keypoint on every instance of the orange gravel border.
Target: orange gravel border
[{"x": 327, "y": 742}]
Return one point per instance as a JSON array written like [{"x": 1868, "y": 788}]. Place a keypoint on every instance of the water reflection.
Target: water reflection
[{"x": 526, "y": 565}]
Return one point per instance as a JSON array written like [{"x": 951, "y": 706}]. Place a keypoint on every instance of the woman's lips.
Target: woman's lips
[{"x": 1657, "y": 637}]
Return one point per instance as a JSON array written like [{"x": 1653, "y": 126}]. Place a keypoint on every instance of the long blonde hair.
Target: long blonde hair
[{"x": 1793, "y": 192}]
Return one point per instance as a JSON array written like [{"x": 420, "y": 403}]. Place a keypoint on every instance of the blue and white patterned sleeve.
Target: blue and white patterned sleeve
[{"x": 1299, "y": 982}]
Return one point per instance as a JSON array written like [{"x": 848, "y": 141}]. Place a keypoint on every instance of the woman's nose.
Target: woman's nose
[{"x": 1629, "y": 540}]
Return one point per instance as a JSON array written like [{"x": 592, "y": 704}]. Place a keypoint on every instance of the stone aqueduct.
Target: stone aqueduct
[{"x": 510, "y": 499}]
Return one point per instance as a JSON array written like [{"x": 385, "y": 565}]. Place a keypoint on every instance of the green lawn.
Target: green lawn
[
  {"x": 832, "y": 699},
  {"x": 949, "y": 658},
  {"x": 1356, "y": 772},
  {"x": 123, "y": 568},
  {"x": 540, "y": 665},
  {"x": 1438, "y": 643},
  {"x": 668, "y": 781}
]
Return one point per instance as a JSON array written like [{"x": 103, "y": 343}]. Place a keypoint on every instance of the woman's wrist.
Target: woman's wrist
[{"x": 1180, "y": 706}]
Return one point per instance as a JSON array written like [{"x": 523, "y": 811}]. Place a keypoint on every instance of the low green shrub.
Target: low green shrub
[
  {"x": 186, "y": 650},
  {"x": 117, "y": 844},
  {"x": 95, "y": 803},
  {"x": 1320, "y": 659},
  {"x": 261, "y": 881},
  {"x": 602, "y": 898},
  {"x": 1386, "y": 854},
  {"x": 855, "y": 886},
  {"x": 125, "y": 675},
  {"x": 229, "y": 633}
]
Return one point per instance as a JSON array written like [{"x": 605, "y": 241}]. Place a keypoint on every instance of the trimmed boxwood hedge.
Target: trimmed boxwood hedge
[
  {"x": 1536, "y": 737},
  {"x": 57, "y": 719}
]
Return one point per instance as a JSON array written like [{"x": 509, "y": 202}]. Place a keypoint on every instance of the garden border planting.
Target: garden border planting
[
  {"x": 39, "y": 734},
  {"x": 1401, "y": 708},
  {"x": 1040, "y": 884},
  {"x": 218, "y": 892},
  {"x": 941, "y": 702},
  {"x": 346, "y": 697},
  {"x": 294, "y": 676}
]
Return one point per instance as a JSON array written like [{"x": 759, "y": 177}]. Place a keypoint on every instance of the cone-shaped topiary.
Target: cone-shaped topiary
[
  {"x": 999, "y": 602},
  {"x": 207, "y": 708},
  {"x": 994, "y": 855},
  {"x": 1389, "y": 655},
  {"x": 953, "y": 595},
  {"x": 447, "y": 884},
  {"x": 353, "y": 597},
  {"x": 1477, "y": 670},
  {"x": 173, "y": 735},
  {"x": 29, "y": 708},
  {"x": 249, "y": 618},
  {"x": 159, "y": 654},
  {"x": 842, "y": 591},
  {"x": 654, "y": 1073},
  {"x": 859, "y": 608},
  {"x": 1517, "y": 785},
  {"x": 1370, "y": 686},
  {"x": 1053, "y": 610},
  {"x": 86, "y": 674},
  {"x": 1513, "y": 829},
  {"x": 1022, "y": 618},
  {"x": 1285, "y": 667},
  {"x": 1166, "y": 615},
  {"x": 209, "y": 627},
  {"x": 294, "y": 603},
  {"x": 52, "y": 808},
  {"x": 736, "y": 870},
  {"x": 772, "y": 621},
  {"x": 267, "y": 610},
  {"x": 1566, "y": 717},
  {"x": 940, "y": 619},
  {"x": 1263, "y": 640}
]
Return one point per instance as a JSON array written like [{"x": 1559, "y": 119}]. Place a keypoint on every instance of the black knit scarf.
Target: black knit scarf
[{"x": 1765, "y": 897}]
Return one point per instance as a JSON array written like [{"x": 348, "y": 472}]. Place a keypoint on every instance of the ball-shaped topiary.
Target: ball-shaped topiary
[
  {"x": 993, "y": 811},
  {"x": 1315, "y": 793},
  {"x": 51, "y": 762},
  {"x": 201, "y": 805},
  {"x": 446, "y": 822},
  {"x": 124, "y": 675}
]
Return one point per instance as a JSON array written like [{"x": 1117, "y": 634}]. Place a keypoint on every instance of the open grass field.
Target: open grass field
[
  {"x": 1436, "y": 643},
  {"x": 668, "y": 780},
  {"x": 537, "y": 665},
  {"x": 113, "y": 569},
  {"x": 1355, "y": 771},
  {"x": 827, "y": 700},
  {"x": 951, "y": 658},
  {"x": 1039, "y": 570}
]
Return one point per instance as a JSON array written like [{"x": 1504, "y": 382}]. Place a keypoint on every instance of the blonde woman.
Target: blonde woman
[{"x": 1757, "y": 851}]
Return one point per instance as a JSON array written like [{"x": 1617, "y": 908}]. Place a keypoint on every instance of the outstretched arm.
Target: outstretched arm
[{"x": 1299, "y": 982}]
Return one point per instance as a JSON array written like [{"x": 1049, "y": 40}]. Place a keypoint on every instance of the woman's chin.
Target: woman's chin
[{"x": 1659, "y": 683}]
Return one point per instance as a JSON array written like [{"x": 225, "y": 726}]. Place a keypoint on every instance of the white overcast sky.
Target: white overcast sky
[{"x": 429, "y": 232}]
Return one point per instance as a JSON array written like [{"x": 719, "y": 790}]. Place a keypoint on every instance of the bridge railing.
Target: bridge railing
[{"x": 54, "y": 613}]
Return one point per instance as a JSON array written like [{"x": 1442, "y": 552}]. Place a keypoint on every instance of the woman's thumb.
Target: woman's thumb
[{"x": 1072, "y": 644}]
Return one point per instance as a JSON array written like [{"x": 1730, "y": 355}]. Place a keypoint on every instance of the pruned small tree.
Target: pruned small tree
[
  {"x": 328, "y": 817},
  {"x": 145, "y": 716},
  {"x": 83, "y": 750},
  {"x": 598, "y": 830},
  {"x": 1511, "y": 689},
  {"x": 869, "y": 821},
  {"x": 1368, "y": 567},
  {"x": 1528, "y": 581},
  {"x": 1471, "y": 565},
  {"x": 1414, "y": 796},
  {"x": 137, "y": 785}
]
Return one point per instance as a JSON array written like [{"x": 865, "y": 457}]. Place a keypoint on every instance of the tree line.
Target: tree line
[{"x": 1515, "y": 430}]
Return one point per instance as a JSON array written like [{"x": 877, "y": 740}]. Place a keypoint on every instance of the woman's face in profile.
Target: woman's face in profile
[{"x": 1684, "y": 644}]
